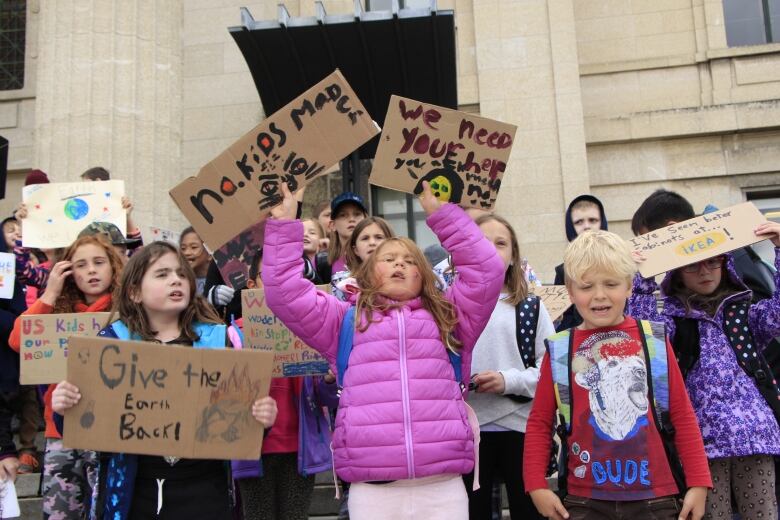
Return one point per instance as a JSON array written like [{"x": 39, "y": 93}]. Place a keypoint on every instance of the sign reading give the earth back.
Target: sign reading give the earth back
[{"x": 462, "y": 156}]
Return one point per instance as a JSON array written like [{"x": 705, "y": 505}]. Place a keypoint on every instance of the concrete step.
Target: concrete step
[
  {"x": 30, "y": 508},
  {"x": 28, "y": 485}
]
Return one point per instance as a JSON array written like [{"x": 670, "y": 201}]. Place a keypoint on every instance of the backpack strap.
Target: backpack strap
[
  {"x": 559, "y": 350},
  {"x": 686, "y": 343},
  {"x": 346, "y": 337},
  {"x": 322, "y": 267},
  {"x": 657, "y": 362},
  {"x": 526, "y": 320}
]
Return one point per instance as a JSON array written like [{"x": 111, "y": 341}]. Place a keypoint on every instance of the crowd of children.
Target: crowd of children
[{"x": 447, "y": 381}]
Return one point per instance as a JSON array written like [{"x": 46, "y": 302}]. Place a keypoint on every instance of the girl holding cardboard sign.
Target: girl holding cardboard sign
[
  {"x": 82, "y": 282},
  {"x": 718, "y": 337},
  {"x": 157, "y": 302}
]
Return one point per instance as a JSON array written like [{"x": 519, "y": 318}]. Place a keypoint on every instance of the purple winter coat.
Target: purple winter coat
[
  {"x": 734, "y": 418},
  {"x": 401, "y": 413}
]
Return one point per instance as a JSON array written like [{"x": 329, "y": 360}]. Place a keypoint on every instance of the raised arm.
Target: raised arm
[
  {"x": 312, "y": 315},
  {"x": 477, "y": 286},
  {"x": 764, "y": 316}
]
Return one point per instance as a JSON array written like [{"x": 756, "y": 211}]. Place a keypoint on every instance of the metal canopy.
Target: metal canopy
[{"x": 409, "y": 52}]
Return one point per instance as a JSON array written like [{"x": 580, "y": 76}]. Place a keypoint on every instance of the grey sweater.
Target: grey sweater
[{"x": 497, "y": 350}]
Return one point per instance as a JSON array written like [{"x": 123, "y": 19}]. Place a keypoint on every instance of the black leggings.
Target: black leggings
[{"x": 500, "y": 454}]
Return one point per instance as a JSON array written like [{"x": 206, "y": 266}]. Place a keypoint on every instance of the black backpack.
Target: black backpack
[{"x": 526, "y": 319}]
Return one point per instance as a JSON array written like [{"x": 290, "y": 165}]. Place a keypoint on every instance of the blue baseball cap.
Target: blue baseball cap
[{"x": 345, "y": 197}]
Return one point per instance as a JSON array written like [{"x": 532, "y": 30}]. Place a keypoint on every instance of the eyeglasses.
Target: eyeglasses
[{"x": 711, "y": 264}]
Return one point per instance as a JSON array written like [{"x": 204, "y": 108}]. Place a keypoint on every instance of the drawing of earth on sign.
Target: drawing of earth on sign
[
  {"x": 76, "y": 208},
  {"x": 229, "y": 410},
  {"x": 446, "y": 185}
]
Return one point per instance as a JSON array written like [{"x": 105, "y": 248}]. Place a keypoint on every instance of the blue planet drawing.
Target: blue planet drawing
[{"x": 76, "y": 209}]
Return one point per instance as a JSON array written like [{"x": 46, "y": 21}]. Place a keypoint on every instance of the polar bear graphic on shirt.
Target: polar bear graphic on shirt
[{"x": 614, "y": 373}]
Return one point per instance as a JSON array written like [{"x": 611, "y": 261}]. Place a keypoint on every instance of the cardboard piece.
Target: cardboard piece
[
  {"x": 462, "y": 156},
  {"x": 7, "y": 275},
  {"x": 9, "y": 502},
  {"x": 234, "y": 258},
  {"x": 555, "y": 299},
  {"x": 296, "y": 144},
  {"x": 58, "y": 212},
  {"x": 697, "y": 239},
  {"x": 264, "y": 331},
  {"x": 147, "y": 398},
  {"x": 154, "y": 233},
  {"x": 44, "y": 343}
]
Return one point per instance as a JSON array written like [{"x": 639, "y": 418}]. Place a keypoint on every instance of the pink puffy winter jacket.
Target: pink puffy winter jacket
[{"x": 401, "y": 413}]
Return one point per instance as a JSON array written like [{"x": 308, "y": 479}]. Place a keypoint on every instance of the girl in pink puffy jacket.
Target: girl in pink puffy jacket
[{"x": 403, "y": 435}]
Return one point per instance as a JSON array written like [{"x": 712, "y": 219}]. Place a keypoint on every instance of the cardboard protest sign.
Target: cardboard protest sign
[
  {"x": 7, "y": 275},
  {"x": 153, "y": 399},
  {"x": 154, "y": 233},
  {"x": 697, "y": 239},
  {"x": 295, "y": 145},
  {"x": 461, "y": 155},
  {"x": 555, "y": 299},
  {"x": 58, "y": 212},
  {"x": 234, "y": 258},
  {"x": 43, "y": 351},
  {"x": 264, "y": 331}
]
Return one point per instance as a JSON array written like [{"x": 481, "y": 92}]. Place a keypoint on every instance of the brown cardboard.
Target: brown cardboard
[
  {"x": 462, "y": 155},
  {"x": 43, "y": 349},
  {"x": 697, "y": 239},
  {"x": 264, "y": 331},
  {"x": 147, "y": 398},
  {"x": 297, "y": 144},
  {"x": 555, "y": 299}
]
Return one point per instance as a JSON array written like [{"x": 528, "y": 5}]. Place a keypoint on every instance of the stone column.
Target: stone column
[
  {"x": 529, "y": 76},
  {"x": 109, "y": 94}
]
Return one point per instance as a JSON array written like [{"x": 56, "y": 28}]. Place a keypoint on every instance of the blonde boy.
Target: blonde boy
[{"x": 600, "y": 381}]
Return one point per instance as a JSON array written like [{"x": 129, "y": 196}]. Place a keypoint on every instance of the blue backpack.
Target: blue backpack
[{"x": 346, "y": 334}]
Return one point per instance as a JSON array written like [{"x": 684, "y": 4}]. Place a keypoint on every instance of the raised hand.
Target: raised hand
[
  {"x": 289, "y": 206},
  {"x": 57, "y": 276},
  {"x": 428, "y": 200},
  {"x": 771, "y": 230}
]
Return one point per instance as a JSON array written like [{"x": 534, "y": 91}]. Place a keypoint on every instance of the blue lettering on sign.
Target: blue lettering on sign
[{"x": 621, "y": 471}]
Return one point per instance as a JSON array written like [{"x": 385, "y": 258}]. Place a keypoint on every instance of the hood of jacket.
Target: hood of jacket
[{"x": 571, "y": 234}]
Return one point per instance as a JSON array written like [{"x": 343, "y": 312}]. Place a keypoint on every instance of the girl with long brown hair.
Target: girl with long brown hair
[
  {"x": 156, "y": 302},
  {"x": 83, "y": 281}
]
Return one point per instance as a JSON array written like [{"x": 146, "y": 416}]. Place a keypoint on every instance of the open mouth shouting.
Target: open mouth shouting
[{"x": 176, "y": 295}]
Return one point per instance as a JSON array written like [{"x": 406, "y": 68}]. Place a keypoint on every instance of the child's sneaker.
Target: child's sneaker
[{"x": 28, "y": 463}]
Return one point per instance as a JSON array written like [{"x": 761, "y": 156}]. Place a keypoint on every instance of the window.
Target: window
[
  {"x": 768, "y": 202},
  {"x": 752, "y": 22},
  {"x": 404, "y": 214},
  {"x": 13, "y": 20},
  {"x": 387, "y": 5}
]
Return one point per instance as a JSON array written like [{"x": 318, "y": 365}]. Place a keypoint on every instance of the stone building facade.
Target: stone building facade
[{"x": 615, "y": 98}]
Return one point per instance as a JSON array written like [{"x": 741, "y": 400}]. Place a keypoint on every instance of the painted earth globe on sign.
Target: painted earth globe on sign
[{"x": 76, "y": 209}]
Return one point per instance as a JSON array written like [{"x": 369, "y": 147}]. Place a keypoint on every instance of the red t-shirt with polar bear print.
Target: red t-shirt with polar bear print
[{"x": 614, "y": 451}]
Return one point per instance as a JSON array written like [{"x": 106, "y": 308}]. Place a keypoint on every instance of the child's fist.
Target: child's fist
[
  {"x": 264, "y": 411},
  {"x": 64, "y": 397},
  {"x": 693, "y": 504}
]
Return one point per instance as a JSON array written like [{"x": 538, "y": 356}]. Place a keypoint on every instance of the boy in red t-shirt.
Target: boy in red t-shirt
[{"x": 617, "y": 466}]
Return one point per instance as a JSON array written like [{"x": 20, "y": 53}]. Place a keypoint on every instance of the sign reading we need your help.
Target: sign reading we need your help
[
  {"x": 461, "y": 155},
  {"x": 58, "y": 212},
  {"x": 295, "y": 145},
  {"x": 7, "y": 275},
  {"x": 153, "y": 399},
  {"x": 43, "y": 350},
  {"x": 264, "y": 331},
  {"x": 697, "y": 239}
]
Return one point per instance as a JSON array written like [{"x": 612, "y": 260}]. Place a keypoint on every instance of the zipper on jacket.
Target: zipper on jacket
[{"x": 405, "y": 394}]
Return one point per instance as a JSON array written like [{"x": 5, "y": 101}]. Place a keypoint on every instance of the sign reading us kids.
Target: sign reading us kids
[
  {"x": 57, "y": 212},
  {"x": 264, "y": 331},
  {"x": 294, "y": 145},
  {"x": 43, "y": 350},
  {"x": 697, "y": 239},
  {"x": 147, "y": 398},
  {"x": 461, "y": 155}
]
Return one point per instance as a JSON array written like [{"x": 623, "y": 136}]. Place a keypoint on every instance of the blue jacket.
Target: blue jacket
[{"x": 117, "y": 472}]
